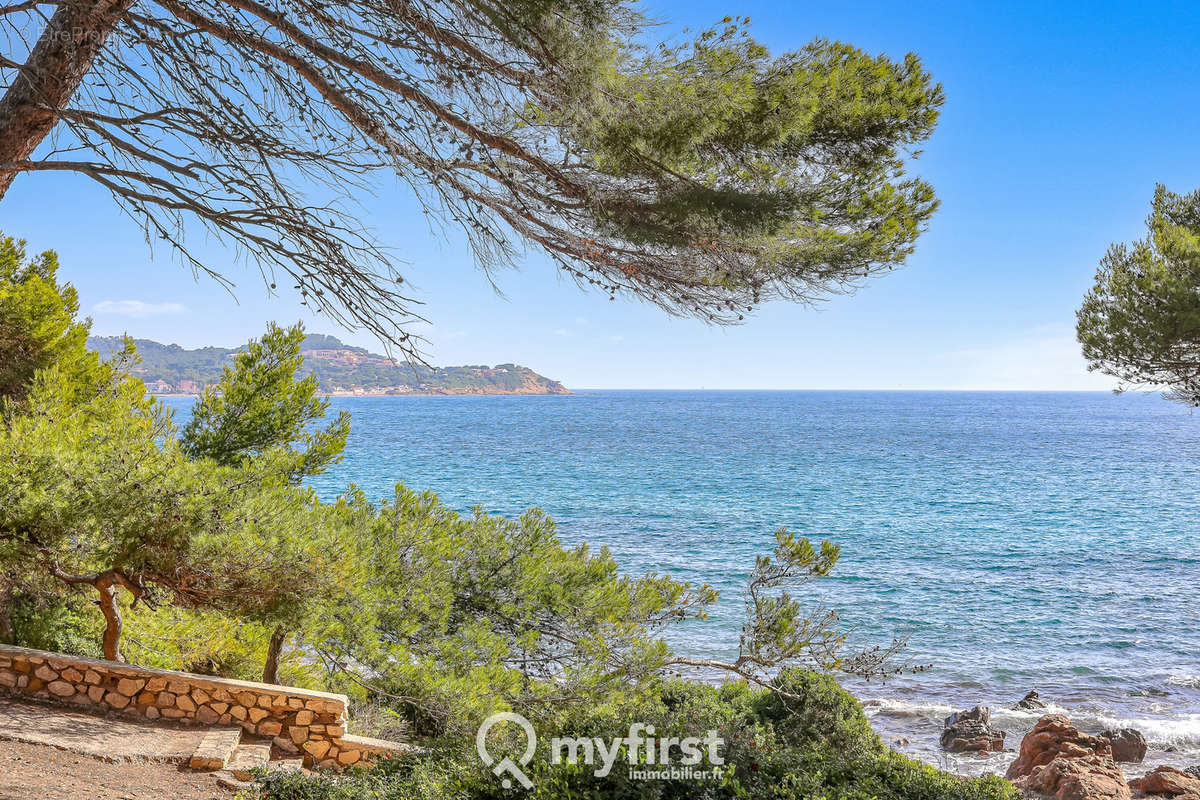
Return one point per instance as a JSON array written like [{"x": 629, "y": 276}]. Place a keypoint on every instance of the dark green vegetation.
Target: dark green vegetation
[
  {"x": 1141, "y": 321},
  {"x": 817, "y": 746},
  {"x": 707, "y": 176},
  {"x": 204, "y": 552},
  {"x": 337, "y": 367}
]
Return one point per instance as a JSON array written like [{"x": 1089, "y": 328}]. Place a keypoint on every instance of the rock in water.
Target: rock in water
[
  {"x": 1128, "y": 745},
  {"x": 1057, "y": 759},
  {"x": 1168, "y": 782},
  {"x": 1030, "y": 702},
  {"x": 971, "y": 731},
  {"x": 1195, "y": 771}
]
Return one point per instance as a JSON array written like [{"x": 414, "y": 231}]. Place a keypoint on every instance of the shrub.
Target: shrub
[
  {"x": 62, "y": 624},
  {"x": 821, "y": 748}
]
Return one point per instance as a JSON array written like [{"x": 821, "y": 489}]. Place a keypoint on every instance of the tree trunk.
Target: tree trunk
[
  {"x": 63, "y": 54},
  {"x": 7, "y": 634},
  {"x": 107, "y": 586},
  {"x": 271, "y": 668}
]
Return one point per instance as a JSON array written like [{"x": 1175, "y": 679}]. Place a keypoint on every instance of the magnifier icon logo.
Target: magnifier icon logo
[{"x": 506, "y": 765}]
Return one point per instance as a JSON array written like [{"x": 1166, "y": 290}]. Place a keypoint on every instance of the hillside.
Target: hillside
[{"x": 341, "y": 369}]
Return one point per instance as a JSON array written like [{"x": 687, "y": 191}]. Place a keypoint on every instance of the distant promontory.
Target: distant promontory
[{"x": 341, "y": 369}]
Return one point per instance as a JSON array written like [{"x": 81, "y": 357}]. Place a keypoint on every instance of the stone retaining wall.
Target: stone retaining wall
[{"x": 298, "y": 720}]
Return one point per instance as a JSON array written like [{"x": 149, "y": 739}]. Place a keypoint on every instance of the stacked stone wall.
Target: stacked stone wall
[{"x": 297, "y": 720}]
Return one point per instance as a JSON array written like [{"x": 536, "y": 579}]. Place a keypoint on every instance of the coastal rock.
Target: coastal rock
[
  {"x": 1052, "y": 736},
  {"x": 971, "y": 731},
  {"x": 1058, "y": 760},
  {"x": 1030, "y": 702},
  {"x": 1167, "y": 782},
  {"x": 1089, "y": 777},
  {"x": 1128, "y": 745}
]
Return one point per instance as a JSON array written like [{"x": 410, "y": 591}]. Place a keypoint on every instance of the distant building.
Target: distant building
[
  {"x": 159, "y": 386},
  {"x": 190, "y": 387}
]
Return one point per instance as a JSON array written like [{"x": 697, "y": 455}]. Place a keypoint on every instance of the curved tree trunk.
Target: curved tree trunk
[
  {"x": 271, "y": 668},
  {"x": 63, "y": 54},
  {"x": 106, "y": 585}
]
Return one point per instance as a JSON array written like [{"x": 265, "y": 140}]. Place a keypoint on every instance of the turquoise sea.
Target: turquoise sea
[{"x": 1020, "y": 540}]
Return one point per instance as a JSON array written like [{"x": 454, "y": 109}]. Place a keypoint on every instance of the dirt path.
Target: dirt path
[
  {"x": 41, "y": 772},
  {"x": 109, "y": 738},
  {"x": 53, "y": 753}
]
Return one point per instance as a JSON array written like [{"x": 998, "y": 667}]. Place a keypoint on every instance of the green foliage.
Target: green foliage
[
  {"x": 259, "y": 405},
  {"x": 98, "y": 491},
  {"x": 38, "y": 325},
  {"x": 1140, "y": 322},
  {"x": 796, "y": 163},
  {"x": 170, "y": 636},
  {"x": 812, "y": 707},
  {"x": 51, "y": 621},
  {"x": 823, "y": 749},
  {"x": 464, "y": 615}
]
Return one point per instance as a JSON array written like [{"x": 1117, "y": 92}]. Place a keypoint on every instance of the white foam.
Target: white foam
[
  {"x": 1182, "y": 731},
  {"x": 903, "y": 708},
  {"x": 1187, "y": 681}
]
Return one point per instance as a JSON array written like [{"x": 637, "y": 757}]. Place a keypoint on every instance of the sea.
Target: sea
[{"x": 1016, "y": 540}]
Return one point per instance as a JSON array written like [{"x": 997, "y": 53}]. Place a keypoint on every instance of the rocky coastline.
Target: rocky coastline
[{"x": 1055, "y": 759}]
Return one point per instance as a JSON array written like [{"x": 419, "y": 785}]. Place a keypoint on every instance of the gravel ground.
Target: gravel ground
[{"x": 41, "y": 772}]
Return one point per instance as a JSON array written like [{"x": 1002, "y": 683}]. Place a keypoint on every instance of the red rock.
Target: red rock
[
  {"x": 1090, "y": 777},
  {"x": 1057, "y": 760},
  {"x": 1168, "y": 782},
  {"x": 1052, "y": 736}
]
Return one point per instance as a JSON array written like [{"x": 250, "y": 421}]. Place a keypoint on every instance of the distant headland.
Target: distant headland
[{"x": 342, "y": 370}]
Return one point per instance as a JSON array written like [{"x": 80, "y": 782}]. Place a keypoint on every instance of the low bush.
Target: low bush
[{"x": 819, "y": 746}]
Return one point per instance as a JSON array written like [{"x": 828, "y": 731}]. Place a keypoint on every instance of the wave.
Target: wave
[{"x": 1185, "y": 681}]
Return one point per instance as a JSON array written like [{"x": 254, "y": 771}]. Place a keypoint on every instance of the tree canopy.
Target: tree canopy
[
  {"x": 38, "y": 322},
  {"x": 706, "y": 176},
  {"x": 1140, "y": 323},
  {"x": 98, "y": 494},
  {"x": 260, "y": 404}
]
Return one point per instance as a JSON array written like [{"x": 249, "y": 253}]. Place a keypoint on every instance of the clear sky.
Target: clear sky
[{"x": 1059, "y": 119}]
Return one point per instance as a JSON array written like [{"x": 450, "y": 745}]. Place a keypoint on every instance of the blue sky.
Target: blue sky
[{"x": 1059, "y": 120}]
